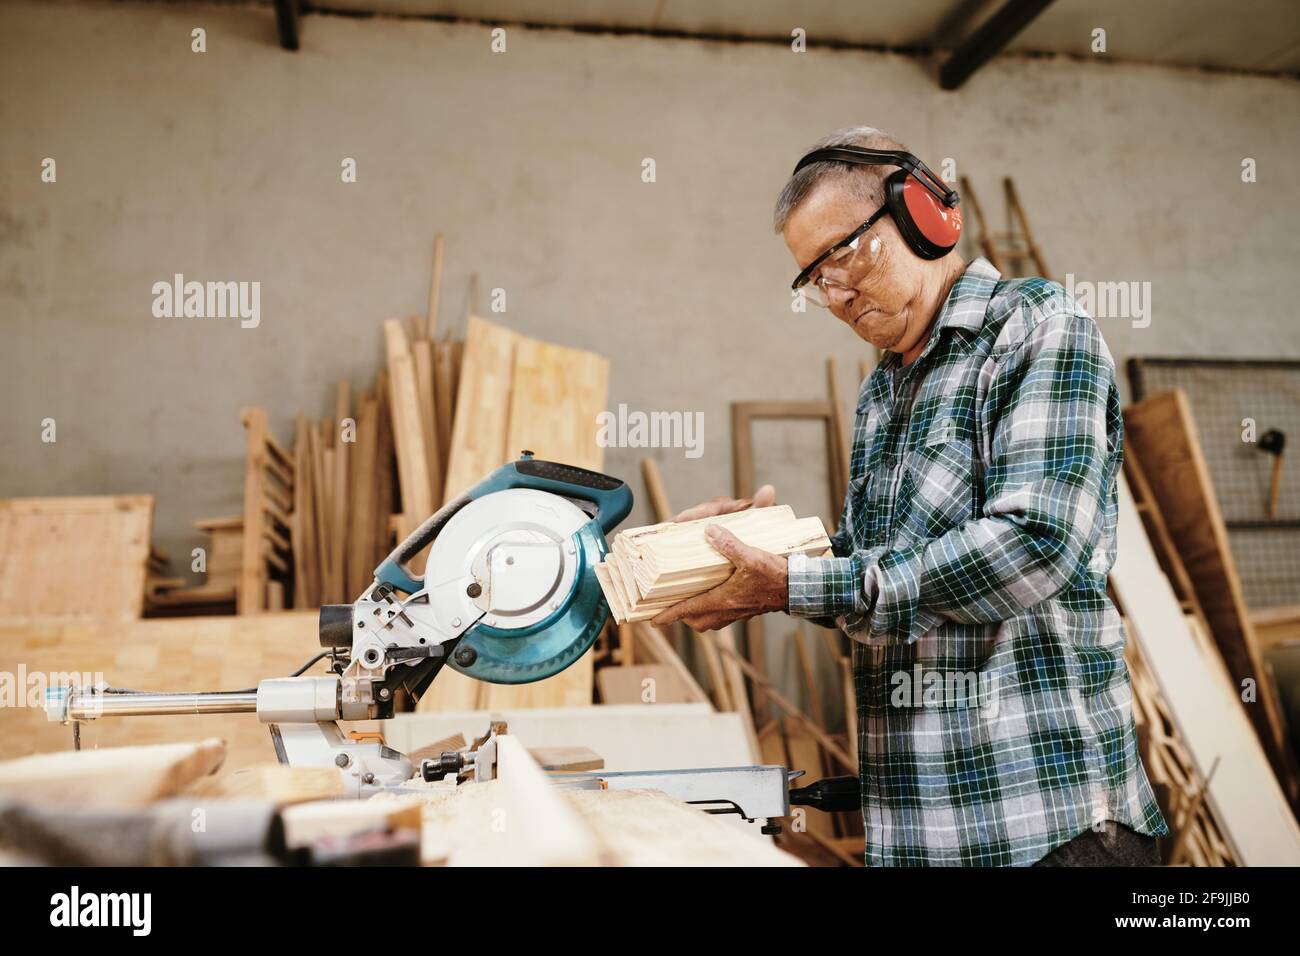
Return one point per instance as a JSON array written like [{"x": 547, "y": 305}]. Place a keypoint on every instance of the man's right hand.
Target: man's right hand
[{"x": 722, "y": 505}]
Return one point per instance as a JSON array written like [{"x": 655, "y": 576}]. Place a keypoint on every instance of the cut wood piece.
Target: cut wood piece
[
  {"x": 361, "y": 557},
  {"x": 444, "y": 382},
  {"x": 1244, "y": 793},
  {"x": 521, "y": 820},
  {"x": 542, "y": 829},
  {"x": 110, "y": 776},
  {"x": 306, "y": 581},
  {"x": 435, "y": 289},
  {"x": 275, "y": 782},
  {"x": 103, "y": 541},
  {"x": 566, "y": 759},
  {"x": 422, "y": 353},
  {"x": 1163, "y": 433},
  {"x": 662, "y": 511},
  {"x": 655, "y": 567},
  {"x": 341, "y": 492},
  {"x": 408, "y": 429}
]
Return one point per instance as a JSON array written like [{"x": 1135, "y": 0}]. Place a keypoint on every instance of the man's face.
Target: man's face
[{"x": 875, "y": 289}]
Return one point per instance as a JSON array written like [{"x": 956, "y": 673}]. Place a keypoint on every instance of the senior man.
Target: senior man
[{"x": 976, "y": 536}]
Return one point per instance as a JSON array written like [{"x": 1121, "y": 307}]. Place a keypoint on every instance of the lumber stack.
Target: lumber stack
[
  {"x": 652, "y": 568},
  {"x": 343, "y": 496}
]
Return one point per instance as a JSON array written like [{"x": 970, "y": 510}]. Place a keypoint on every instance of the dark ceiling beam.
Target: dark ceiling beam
[
  {"x": 989, "y": 40},
  {"x": 286, "y": 23}
]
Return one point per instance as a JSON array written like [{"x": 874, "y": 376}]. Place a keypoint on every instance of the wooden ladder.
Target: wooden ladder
[
  {"x": 1012, "y": 250},
  {"x": 268, "y": 505}
]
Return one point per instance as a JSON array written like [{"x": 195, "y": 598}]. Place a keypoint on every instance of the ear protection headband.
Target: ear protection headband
[{"x": 923, "y": 206}]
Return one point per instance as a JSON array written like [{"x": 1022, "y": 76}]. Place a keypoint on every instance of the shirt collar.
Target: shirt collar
[{"x": 964, "y": 308}]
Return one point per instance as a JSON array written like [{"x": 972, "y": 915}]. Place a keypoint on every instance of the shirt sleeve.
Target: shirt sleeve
[
  {"x": 1043, "y": 515},
  {"x": 821, "y": 589}
]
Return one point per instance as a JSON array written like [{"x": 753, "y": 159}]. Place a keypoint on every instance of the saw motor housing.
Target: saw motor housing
[{"x": 509, "y": 593}]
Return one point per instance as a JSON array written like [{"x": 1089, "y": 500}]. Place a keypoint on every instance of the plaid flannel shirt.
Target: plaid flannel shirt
[{"x": 994, "y": 706}]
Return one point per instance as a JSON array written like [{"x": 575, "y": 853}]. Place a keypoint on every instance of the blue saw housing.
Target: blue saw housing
[{"x": 524, "y": 655}]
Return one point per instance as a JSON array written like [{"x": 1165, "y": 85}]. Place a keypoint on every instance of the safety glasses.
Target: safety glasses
[{"x": 834, "y": 267}]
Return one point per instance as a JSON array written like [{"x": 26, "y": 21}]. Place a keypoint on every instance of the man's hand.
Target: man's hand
[
  {"x": 722, "y": 505},
  {"x": 758, "y": 585}
]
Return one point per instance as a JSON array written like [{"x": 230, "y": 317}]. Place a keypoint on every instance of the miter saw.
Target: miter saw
[{"x": 509, "y": 595}]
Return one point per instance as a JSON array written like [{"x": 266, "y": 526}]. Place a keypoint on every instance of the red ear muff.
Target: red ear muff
[{"x": 929, "y": 227}]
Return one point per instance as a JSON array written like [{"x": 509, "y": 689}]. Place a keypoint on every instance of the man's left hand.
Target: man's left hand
[{"x": 758, "y": 585}]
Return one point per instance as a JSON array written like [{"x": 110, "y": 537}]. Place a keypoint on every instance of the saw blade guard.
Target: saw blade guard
[
  {"x": 608, "y": 501},
  {"x": 521, "y": 655}
]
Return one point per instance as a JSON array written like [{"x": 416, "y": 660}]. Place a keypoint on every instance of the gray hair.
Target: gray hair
[{"x": 866, "y": 182}]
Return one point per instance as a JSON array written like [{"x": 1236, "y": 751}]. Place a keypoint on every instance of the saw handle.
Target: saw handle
[{"x": 612, "y": 497}]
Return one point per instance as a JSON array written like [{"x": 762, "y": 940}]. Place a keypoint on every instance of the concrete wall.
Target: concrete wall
[{"x": 226, "y": 166}]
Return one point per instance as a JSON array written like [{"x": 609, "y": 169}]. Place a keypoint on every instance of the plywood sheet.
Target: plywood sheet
[
  {"x": 71, "y": 558},
  {"x": 478, "y": 436}
]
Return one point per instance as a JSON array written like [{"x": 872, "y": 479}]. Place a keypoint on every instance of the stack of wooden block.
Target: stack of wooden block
[{"x": 652, "y": 568}]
